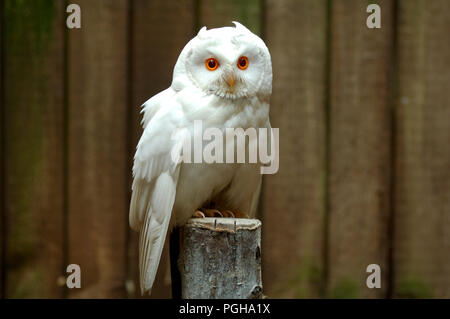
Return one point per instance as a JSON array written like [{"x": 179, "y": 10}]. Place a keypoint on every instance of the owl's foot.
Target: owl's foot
[
  {"x": 198, "y": 214},
  {"x": 228, "y": 213},
  {"x": 211, "y": 212}
]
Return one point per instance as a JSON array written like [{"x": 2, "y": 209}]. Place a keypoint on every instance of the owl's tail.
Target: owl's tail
[{"x": 155, "y": 224}]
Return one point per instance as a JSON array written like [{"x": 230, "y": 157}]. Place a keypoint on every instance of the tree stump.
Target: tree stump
[{"x": 221, "y": 258}]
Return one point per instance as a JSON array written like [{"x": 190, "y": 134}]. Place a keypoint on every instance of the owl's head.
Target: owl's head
[{"x": 229, "y": 62}]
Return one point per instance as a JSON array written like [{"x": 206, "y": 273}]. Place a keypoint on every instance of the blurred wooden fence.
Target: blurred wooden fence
[{"x": 364, "y": 142}]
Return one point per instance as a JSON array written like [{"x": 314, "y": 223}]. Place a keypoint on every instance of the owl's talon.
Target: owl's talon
[
  {"x": 198, "y": 214},
  {"x": 228, "y": 213},
  {"x": 211, "y": 212}
]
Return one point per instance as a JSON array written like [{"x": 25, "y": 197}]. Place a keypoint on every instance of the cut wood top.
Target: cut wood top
[{"x": 224, "y": 224}]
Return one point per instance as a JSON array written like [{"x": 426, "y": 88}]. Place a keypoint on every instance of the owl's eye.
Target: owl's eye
[
  {"x": 211, "y": 64},
  {"x": 242, "y": 63}
]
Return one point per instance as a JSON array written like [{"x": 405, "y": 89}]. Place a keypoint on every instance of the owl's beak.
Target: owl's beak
[{"x": 230, "y": 82}]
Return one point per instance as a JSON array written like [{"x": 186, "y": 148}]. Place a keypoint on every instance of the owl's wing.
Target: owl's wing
[
  {"x": 154, "y": 104},
  {"x": 154, "y": 184}
]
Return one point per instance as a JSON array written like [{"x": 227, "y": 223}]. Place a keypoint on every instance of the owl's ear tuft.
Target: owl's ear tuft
[
  {"x": 201, "y": 34},
  {"x": 241, "y": 28}
]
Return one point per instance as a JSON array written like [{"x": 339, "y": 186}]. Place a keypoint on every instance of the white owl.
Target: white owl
[{"x": 223, "y": 77}]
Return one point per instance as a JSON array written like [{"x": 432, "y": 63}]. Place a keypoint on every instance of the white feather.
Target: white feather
[
  {"x": 154, "y": 230},
  {"x": 154, "y": 184}
]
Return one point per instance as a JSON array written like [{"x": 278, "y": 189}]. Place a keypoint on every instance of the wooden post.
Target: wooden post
[{"x": 221, "y": 258}]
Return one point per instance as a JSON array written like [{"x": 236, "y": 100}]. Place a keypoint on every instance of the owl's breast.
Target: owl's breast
[
  {"x": 217, "y": 112},
  {"x": 200, "y": 182}
]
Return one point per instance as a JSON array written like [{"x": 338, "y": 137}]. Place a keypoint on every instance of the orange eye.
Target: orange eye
[
  {"x": 242, "y": 63},
  {"x": 211, "y": 64}
]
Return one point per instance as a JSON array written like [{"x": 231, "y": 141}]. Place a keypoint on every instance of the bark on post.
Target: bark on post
[{"x": 221, "y": 258}]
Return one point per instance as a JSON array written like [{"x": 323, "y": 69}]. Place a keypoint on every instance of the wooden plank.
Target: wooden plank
[
  {"x": 160, "y": 30},
  {"x": 220, "y": 13},
  {"x": 422, "y": 192},
  {"x": 98, "y": 154},
  {"x": 293, "y": 199},
  {"x": 228, "y": 262},
  {"x": 33, "y": 110},
  {"x": 360, "y": 143}
]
